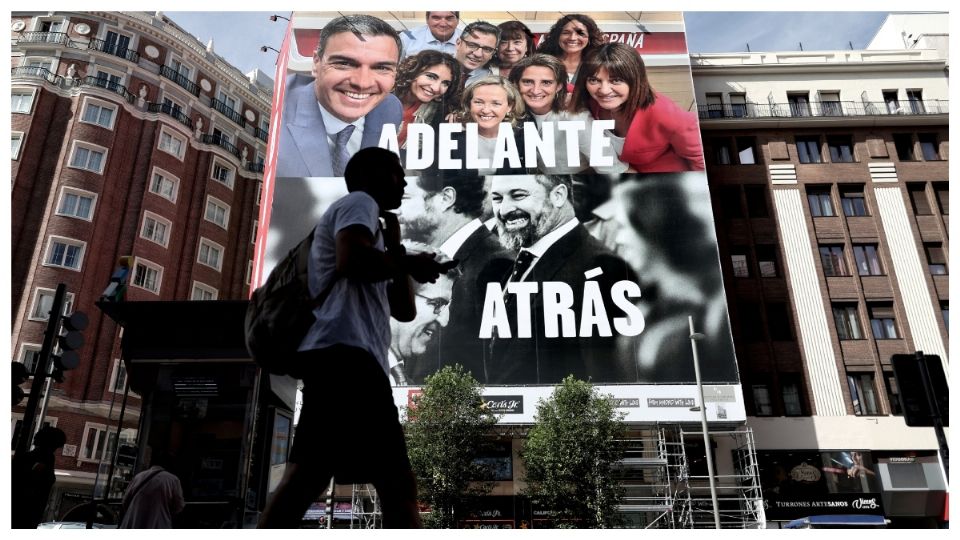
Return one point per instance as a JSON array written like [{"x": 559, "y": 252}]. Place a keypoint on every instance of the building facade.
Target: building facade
[
  {"x": 130, "y": 138},
  {"x": 829, "y": 179}
]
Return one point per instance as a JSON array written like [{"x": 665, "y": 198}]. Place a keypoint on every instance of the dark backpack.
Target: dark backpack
[{"x": 281, "y": 312}]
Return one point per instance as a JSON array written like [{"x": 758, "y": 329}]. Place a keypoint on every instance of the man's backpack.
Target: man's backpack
[{"x": 280, "y": 313}]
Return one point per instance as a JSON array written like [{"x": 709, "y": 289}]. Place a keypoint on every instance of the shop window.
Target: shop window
[
  {"x": 808, "y": 149},
  {"x": 929, "y": 147},
  {"x": 853, "y": 201},
  {"x": 863, "y": 394},
  {"x": 904, "y": 145},
  {"x": 767, "y": 260},
  {"x": 847, "y": 321},
  {"x": 936, "y": 259},
  {"x": 820, "y": 201},
  {"x": 868, "y": 261},
  {"x": 746, "y": 150},
  {"x": 841, "y": 149},
  {"x": 833, "y": 262},
  {"x": 883, "y": 323},
  {"x": 778, "y": 322}
]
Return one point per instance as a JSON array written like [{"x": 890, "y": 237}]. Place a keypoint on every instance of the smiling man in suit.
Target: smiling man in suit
[
  {"x": 442, "y": 209},
  {"x": 536, "y": 222},
  {"x": 343, "y": 107}
]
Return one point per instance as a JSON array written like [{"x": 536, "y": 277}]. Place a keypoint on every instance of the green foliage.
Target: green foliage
[
  {"x": 571, "y": 454},
  {"x": 446, "y": 432}
]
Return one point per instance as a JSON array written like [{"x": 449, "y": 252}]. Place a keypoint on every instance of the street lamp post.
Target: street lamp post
[{"x": 694, "y": 337}]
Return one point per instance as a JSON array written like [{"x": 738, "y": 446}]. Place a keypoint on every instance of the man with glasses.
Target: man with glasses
[
  {"x": 475, "y": 48},
  {"x": 439, "y": 34},
  {"x": 411, "y": 340}
]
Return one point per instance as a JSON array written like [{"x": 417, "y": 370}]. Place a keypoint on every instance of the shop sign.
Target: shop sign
[
  {"x": 789, "y": 507},
  {"x": 671, "y": 402},
  {"x": 504, "y": 404}
]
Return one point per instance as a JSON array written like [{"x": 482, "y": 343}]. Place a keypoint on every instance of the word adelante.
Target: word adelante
[{"x": 424, "y": 146}]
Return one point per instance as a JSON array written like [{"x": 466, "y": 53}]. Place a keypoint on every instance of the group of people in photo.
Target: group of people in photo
[{"x": 373, "y": 86}]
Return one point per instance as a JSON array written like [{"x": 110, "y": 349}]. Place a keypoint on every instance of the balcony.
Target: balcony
[
  {"x": 255, "y": 167},
  {"x": 171, "y": 110},
  {"x": 36, "y": 72},
  {"x": 826, "y": 109},
  {"x": 112, "y": 48},
  {"x": 261, "y": 134},
  {"x": 221, "y": 142},
  {"x": 181, "y": 81},
  {"x": 57, "y": 38},
  {"x": 118, "y": 89},
  {"x": 227, "y": 111}
]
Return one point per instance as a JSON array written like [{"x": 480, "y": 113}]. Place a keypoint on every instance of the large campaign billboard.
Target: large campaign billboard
[{"x": 557, "y": 160}]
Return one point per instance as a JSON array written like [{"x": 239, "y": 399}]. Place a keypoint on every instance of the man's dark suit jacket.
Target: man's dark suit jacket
[
  {"x": 542, "y": 360},
  {"x": 482, "y": 259},
  {"x": 304, "y": 149}
]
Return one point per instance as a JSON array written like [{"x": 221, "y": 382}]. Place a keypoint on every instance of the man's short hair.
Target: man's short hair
[
  {"x": 550, "y": 181},
  {"x": 468, "y": 185},
  {"x": 358, "y": 25},
  {"x": 368, "y": 166},
  {"x": 455, "y": 14},
  {"x": 481, "y": 27}
]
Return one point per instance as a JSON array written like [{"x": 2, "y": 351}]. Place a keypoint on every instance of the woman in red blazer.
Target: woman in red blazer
[{"x": 651, "y": 132}]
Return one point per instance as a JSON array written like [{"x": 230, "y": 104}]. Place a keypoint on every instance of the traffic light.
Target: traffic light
[
  {"x": 18, "y": 377},
  {"x": 69, "y": 340}
]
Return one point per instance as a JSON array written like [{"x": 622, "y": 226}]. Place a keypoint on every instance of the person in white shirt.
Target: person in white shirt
[{"x": 439, "y": 34}]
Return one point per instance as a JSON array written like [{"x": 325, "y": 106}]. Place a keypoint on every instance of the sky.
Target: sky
[{"x": 238, "y": 36}]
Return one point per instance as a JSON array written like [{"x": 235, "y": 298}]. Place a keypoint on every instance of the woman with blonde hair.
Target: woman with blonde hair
[{"x": 493, "y": 104}]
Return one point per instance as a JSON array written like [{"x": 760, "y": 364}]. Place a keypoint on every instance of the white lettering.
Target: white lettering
[
  {"x": 505, "y": 147},
  {"x": 523, "y": 290},
  {"x": 494, "y": 313},
  {"x": 572, "y": 129},
  {"x": 558, "y": 304},
  {"x": 599, "y": 141},
  {"x": 633, "y": 323},
  {"x": 419, "y": 145},
  {"x": 448, "y": 145},
  {"x": 388, "y": 138},
  {"x": 534, "y": 144},
  {"x": 474, "y": 161},
  {"x": 594, "y": 313}
]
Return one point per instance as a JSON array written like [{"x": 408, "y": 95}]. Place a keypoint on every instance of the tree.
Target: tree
[
  {"x": 446, "y": 430},
  {"x": 571, "y": 455}
]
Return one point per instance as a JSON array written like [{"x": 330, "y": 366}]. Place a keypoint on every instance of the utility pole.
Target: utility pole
[{"x": 694, "y": 337}]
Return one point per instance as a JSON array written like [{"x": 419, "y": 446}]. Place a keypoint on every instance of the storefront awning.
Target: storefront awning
[{"x": 840, "y": 520}]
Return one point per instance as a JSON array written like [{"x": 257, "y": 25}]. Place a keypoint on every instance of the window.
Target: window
[
  {"x": 751, "y": 324},
  {"x": 915, "y": 100},
  {"x": 249, "y": 272},
  {"x": 259, "y": 193},
  {"x": 94, "y": 441},
  {"x": 223, "y": 174},
  {"x": 16, "y": 141},
  {"x": 253, "y": 232},
  {"x": 147, "y": 275},
  {"x": 833, "y": 261},
  {"x": 43, "y": 303},
  {"x": 30, "y": 356},
  {"x": 88, "y": 157},
  {"x": 929, "y": 147},
  {"x": 847, "y": 321},
  {"x": 99, "y": 113},
  {"x": 746, "y": 150},
  {"x": 882, "y": 320},
  {"x": 210, "y": 254},
  {"x": 227, "y": 100},
  {"x": 217, "y": 212},
  {"x": 790, "y": 391},
  {"x": 219, "y": 136},
  {"x": 892, "y": 102},
  {"x": 808, "y": 149},
  {"x": 830, "y": 104},
  {"x": 904, "y": 145},
  {"x": 164, "y": 185},
  {"x": 721, "y": 151},
  {"x": 110, "y": 81},
  {"x": 202, "y": 291},
  {"x": 76, "y": 203},
  {"x": 180, "y": 67},
  {"x": 942, "y": 192},
  {"x": 868, "y": 263},
  {"x": 936, "y": 259},
  {"x": 821, "y": 204},
  {"x": 852, "y": 201},
  {"x": 863, "y": 394},
  {"x": 730, "y": 202},
  {"x": 21, "y": 100},
  {"x": 893, "y": 393},
  {"x": 118, "y": 380},
  {"x": 918, "y": 198},
  {"x": 65, "y": 253},
  {"x": 171, "y": 107},
  {"x": 841, "y": 149},
  {"x": 740, "y": 263},
  {"x": 767, "y": 260},
  {"x": 945, "y": 313},
  {"x": 155, "y": 229},
  {"x": 738, "y": 105},
  {"x": 761, "y": 399},
  {"x": 779, "y": 326},
  {"x": 799, "y": 103},
  {"x": 172, "y": 144},
  {"x": 757, "y": 201},
  {"x": 714, "y": 105}
]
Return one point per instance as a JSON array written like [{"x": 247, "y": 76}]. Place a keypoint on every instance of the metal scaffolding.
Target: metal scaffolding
[{"x": 365, "y": 510}]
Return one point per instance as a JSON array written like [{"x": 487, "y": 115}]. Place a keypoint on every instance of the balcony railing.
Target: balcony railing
[
  {"x": 37, "y": 72},
  {"x": 112, "y": 48},
  {"x": 116, "y": 88},
  {"x": 255, "y": 167},
  {"x": 171, "y": 110},
  {"x": 825, "y": 109},
  {"x": 182, "y": 81},
  {"x": 58, "y": 38},
  {"x": 221, "y": 142},
  {"x": 261, "y": 134},
  {"x": 228, "y": 111}
]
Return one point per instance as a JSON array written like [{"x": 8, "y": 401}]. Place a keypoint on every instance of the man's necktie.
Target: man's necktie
[
  {"x": 340, "y": 153},
  {"x": 522, "y": 264}
]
